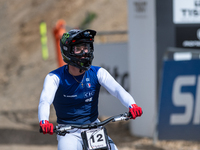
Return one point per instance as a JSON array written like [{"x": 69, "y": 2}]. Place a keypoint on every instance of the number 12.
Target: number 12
[{"x": 99, "y": 136}]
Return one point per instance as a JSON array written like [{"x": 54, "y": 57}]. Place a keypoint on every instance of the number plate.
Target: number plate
[{"x": 96, "y": 138}]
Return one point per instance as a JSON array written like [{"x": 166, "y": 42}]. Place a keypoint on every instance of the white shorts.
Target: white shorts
[{"x": 73, "y": 140}]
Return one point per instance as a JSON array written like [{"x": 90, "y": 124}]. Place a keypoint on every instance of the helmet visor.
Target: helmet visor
[{"x": 80, "y": 49}]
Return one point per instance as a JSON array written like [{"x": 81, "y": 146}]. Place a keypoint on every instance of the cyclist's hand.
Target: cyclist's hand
[
  {"x": 135, "y": 111},
  {"x": 46, "y": 127}
]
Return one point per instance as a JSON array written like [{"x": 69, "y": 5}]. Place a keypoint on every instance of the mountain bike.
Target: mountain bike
[{"x": 95, "y": 137}]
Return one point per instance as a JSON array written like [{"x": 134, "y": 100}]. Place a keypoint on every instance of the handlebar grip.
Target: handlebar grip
[
  {"x": 130, "y": 115},
  {"x": 40, "y": 130}
]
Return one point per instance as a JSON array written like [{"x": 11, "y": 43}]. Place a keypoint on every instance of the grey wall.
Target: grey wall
[
  {"x": 165, "y": 32},
  {"x": 114, "y": 58}
]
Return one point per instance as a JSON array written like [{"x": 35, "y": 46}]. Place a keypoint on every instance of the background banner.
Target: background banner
[{"x": 179, "y": 112}]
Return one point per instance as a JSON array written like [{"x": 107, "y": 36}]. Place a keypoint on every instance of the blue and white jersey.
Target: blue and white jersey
[{"x": 77, "y": 102}]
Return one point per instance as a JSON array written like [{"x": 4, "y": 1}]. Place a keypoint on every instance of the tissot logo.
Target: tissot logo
[{"x": 186, "y": 11}]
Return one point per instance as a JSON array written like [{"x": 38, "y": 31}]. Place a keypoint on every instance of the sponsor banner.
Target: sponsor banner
[
  {"x": 186, "y": 11},
  {"x": 179, "y": 112},
  {"x": 188, "y": 37}
]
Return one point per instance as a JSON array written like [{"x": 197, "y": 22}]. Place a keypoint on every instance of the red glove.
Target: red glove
[
  {"x": 135, "y": 111},
  {"x": 46, "y": 127}
]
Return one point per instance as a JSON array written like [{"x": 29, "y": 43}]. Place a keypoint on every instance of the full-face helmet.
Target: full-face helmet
[{"x": 77, "y": 48}]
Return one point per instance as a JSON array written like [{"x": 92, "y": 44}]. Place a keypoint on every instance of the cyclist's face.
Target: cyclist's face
[{"x": 81, "y": 48}]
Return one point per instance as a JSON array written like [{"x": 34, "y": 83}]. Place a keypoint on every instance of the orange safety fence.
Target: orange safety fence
[{"x": 58, "y": 31}]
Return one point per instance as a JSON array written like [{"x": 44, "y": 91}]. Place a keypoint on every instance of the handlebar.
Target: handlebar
[{"x": 63, "y": 129}]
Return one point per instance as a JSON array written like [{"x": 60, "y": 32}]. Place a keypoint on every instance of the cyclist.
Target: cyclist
[{"x": 74, "y": 89}]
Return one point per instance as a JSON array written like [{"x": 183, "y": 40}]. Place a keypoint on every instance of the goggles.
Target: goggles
[{"x": 81, "y": 48}]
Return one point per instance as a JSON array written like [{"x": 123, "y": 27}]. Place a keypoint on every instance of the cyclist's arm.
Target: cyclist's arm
[
  {"x": 50, "y": 87},
  {"x": 114, "y": 88}
]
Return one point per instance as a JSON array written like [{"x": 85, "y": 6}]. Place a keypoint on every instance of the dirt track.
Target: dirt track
[
  {"x": 22, "y": 69},
  {"x": 30, "y": 138}
]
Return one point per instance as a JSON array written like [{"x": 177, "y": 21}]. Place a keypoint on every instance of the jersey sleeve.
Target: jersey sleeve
[
  {"x": 50, "y": 87},
  {"x": 114, "y": 88}
]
